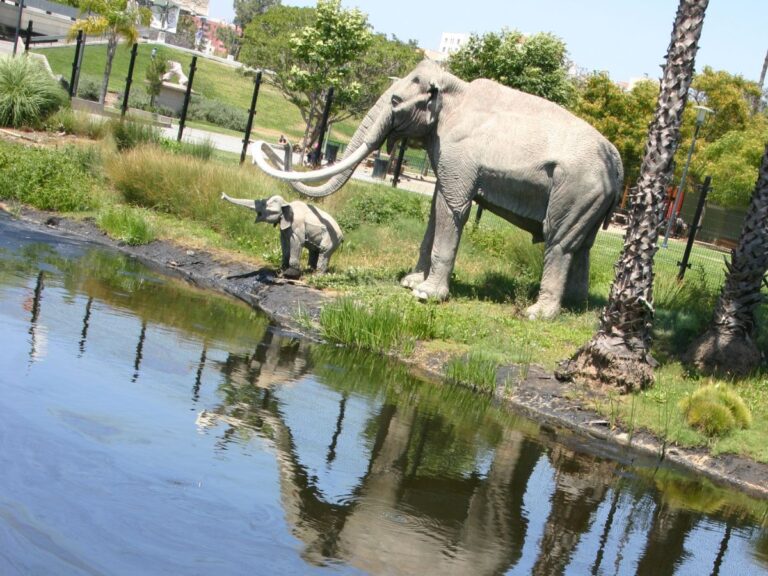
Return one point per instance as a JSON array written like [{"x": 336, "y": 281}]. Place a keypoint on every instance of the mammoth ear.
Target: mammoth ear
[
  {"x": 435, "y": 102},
  {"x": 287, "y": 220}
]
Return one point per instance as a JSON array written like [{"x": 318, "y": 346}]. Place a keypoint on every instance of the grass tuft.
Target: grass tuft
[
  {"x": 716, "y": 410},
  {"x": 475, "y": 369},
  {"x": 389, "y": 325},
  {"x": 127, "y": 225}
]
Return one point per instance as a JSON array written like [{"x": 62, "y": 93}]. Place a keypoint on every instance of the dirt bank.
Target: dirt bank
[{"x": 539, "y": 395}]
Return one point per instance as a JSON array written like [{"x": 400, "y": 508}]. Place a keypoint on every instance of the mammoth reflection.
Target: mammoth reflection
[{"x": 439, "y": 484}]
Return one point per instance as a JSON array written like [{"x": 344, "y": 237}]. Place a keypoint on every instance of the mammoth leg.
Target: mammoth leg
[
  {"x": 285, "y": 247},
  {"x": 557, "y": 263},
  {"x": 295, "y": 244},
  {"x": 449, "y": 224},
  {"x": 577, "y": 286},
  {"x": 314, "y": 255},
  {"x": 420, "y": 271}
]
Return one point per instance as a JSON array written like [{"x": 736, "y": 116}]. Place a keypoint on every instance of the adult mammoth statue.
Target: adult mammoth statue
[{"x": 519, "y": 156}]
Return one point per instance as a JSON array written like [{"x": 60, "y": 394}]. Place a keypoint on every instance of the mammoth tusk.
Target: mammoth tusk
[{"x": 261, "y": 148}]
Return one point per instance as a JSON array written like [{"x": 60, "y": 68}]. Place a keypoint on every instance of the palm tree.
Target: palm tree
[
  {"x": 727, "y": 346},
  {"x": 115, "y": 19},
  {"x": 619, "y": 353}
]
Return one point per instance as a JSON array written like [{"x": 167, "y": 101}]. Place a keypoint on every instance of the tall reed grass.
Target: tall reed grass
[{"x": 28, "y": 93}]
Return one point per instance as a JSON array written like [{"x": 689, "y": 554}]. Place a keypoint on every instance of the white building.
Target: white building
[{"x": 450, "y": 42}]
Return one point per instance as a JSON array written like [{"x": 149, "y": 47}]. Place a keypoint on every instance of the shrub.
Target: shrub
[
  {"x": 126, "y": 224},
  {"x": 716, "y": 410},
  {"x": 129, "y": 134},
  {"x": 78, "y": 123},
  {"x": 89, "y": 88},
  {"x": 202, "y": 150},
  {"x": 381, "y": 206},
  {"x": 218, "y": 113},
  {"x": 28, "y": 93},
  {"x": 49, "y": 179}
]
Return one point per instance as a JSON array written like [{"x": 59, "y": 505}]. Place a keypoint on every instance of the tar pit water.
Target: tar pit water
[{"x": 150, "y": 428}]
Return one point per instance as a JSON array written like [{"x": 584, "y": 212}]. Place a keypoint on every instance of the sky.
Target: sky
[{"x": 626, "y": 38}]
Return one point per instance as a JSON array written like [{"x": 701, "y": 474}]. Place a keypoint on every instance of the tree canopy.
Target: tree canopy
[
  {"x": 247, "y": 10},
  {"x": 621, "y": 116},
  {"x": 536, "y": 64},
  {"x": 310, "y": 50}
]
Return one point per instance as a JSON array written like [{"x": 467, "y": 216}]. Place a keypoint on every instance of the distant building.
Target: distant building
[
  {"x": 211, "y": 44},
  {"x": 450, "y": 42}
]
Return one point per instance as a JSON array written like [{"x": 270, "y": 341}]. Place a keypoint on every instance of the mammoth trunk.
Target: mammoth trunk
[{"x": 370, "y": 133}]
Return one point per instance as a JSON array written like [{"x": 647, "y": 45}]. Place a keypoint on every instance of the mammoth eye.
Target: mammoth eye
[{"x": 396, "y": 100}]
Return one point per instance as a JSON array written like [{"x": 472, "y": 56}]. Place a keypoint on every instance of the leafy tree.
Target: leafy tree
[
  {"x": 535, "y": 64},
  {"x": 622, "y": 117},
  {"x": 154, "y": 75},
  {"x": 311, "y": 49},
  {"x": 247, "y": 10},
  {"x": 113, "y": 18},
  {"x": 732, "y": 160},
  {"x": 730, "y": 96},
  {"x": 620, "y": 352}
]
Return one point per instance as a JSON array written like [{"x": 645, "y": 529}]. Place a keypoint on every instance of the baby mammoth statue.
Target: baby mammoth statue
[{"x": 300, "y": 225}]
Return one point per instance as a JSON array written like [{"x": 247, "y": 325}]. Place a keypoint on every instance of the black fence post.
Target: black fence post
[
  {"x": 28, "y": 37},
  {"x": 694, "y": 228},
  {"x": 187, "y": 96},
  {"x": 18, "y": 27},
  {"x": 399, "y": 164},
  {"x": 251, "y": 113},
  {"x": 75, "y": 64},
  {"x": 323, "y": 125},
  {"x": 129, "y": 80}
]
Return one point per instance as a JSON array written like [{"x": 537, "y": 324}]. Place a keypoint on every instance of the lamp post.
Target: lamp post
[{"x": 701, "y": 115}]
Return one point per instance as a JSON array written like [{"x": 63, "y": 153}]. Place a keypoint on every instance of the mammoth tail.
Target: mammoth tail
[{"x": 617, "y": 185}]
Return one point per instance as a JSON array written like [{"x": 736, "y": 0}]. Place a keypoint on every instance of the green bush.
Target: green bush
[
  {"x": 218, "y": 113},
  {"x": 129, "y": 134},
  {"x": 716, "y": 410},
  {"x": 381, "y": 206},
  {"x": 50, "y": 179},
  {"x": 89, "y": 88},
  {"x": 202, "y": 150},
  {"x": 28, "y": 93}
]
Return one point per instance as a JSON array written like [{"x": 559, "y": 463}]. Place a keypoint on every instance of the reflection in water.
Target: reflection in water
[
  {"x": 237, "y": 448},
  {"x": 86, "y": 321}
]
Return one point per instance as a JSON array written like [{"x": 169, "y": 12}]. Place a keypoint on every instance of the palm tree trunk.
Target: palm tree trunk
[
  {"x": 111, "y": 48},
  {"x": 619, "y": 353},
  {"x": 727, "y": 346}
]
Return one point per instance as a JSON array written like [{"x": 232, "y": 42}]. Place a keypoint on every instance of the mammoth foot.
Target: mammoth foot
[
  {"x": 412, "y": 280},
  {"x": 292, "y": 273},
  {"x": 430, "y": 291},
  {"x": 542, "y": 309}
]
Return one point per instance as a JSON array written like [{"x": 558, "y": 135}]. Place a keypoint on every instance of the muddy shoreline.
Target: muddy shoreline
[{"x": 540, "y": 396}]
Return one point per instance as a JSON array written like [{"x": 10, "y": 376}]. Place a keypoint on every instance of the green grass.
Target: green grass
[
  {"x": 128, "y": 225},
  {"x": 392, "y": 324},
  {"x": 28, "y": 94},
  {"x": 476, "y": 369},
  {"x": 212, "y": 80}
]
